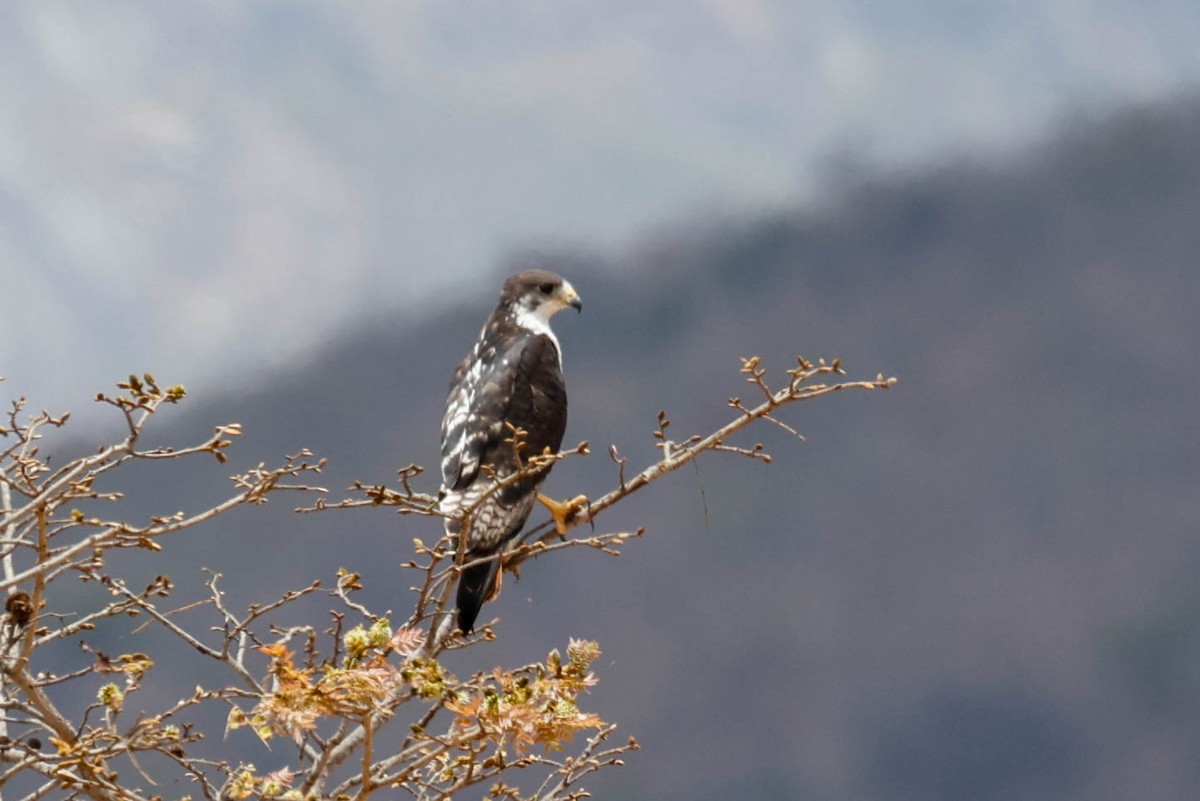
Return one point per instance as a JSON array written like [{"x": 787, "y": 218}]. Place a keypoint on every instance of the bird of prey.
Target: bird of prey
[{"x": 512, "y": 379}]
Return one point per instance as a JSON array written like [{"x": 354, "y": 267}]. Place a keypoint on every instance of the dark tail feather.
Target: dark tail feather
[{"x": 474, "y": 586}]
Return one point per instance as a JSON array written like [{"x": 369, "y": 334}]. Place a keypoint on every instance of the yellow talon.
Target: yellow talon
[{"x": 563, "y": 511}]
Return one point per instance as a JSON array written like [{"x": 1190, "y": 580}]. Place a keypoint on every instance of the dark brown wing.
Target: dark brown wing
[
  {"x": 519, "y": 382},
  {"x": 539, "y": 398},
  {"x": 474, "y": 421},
  {"x": 539, "y": 407}
]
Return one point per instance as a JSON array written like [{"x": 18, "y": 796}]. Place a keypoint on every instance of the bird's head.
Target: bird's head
[{"x": 539, "y": 294}]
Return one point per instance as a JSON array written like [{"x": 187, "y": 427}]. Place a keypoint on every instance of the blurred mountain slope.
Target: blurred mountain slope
[{"x": 898, "y": 606}]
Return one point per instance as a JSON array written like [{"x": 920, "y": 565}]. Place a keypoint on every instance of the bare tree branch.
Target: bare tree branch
[{"x": 336, "y": 694}]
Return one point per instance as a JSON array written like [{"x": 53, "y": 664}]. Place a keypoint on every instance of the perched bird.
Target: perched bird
[{"x": 512, "y": 379}]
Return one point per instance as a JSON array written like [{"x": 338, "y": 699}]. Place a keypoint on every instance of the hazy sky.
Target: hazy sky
[{"x": 203, "y": 189}]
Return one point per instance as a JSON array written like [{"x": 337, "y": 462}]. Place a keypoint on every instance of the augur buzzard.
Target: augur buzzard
[{"x": 511, "y": 378}]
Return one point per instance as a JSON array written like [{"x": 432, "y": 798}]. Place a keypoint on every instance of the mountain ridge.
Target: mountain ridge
[{"x": 950, "y": 557}]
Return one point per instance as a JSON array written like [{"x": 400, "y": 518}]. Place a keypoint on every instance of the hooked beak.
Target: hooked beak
[{"x": 571, "y": 297}]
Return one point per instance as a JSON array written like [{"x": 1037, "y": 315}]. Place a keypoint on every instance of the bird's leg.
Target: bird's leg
[{"x": 563, "y": 511}]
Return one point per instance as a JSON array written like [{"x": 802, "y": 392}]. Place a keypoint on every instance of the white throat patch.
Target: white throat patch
[{"x": 538, "y": 321}]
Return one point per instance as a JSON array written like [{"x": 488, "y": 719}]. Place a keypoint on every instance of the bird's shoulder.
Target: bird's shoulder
[{"x": 505, "y": 354}]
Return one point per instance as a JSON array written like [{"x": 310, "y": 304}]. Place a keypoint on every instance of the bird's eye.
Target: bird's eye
[{"x": 546, "y": 288}]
